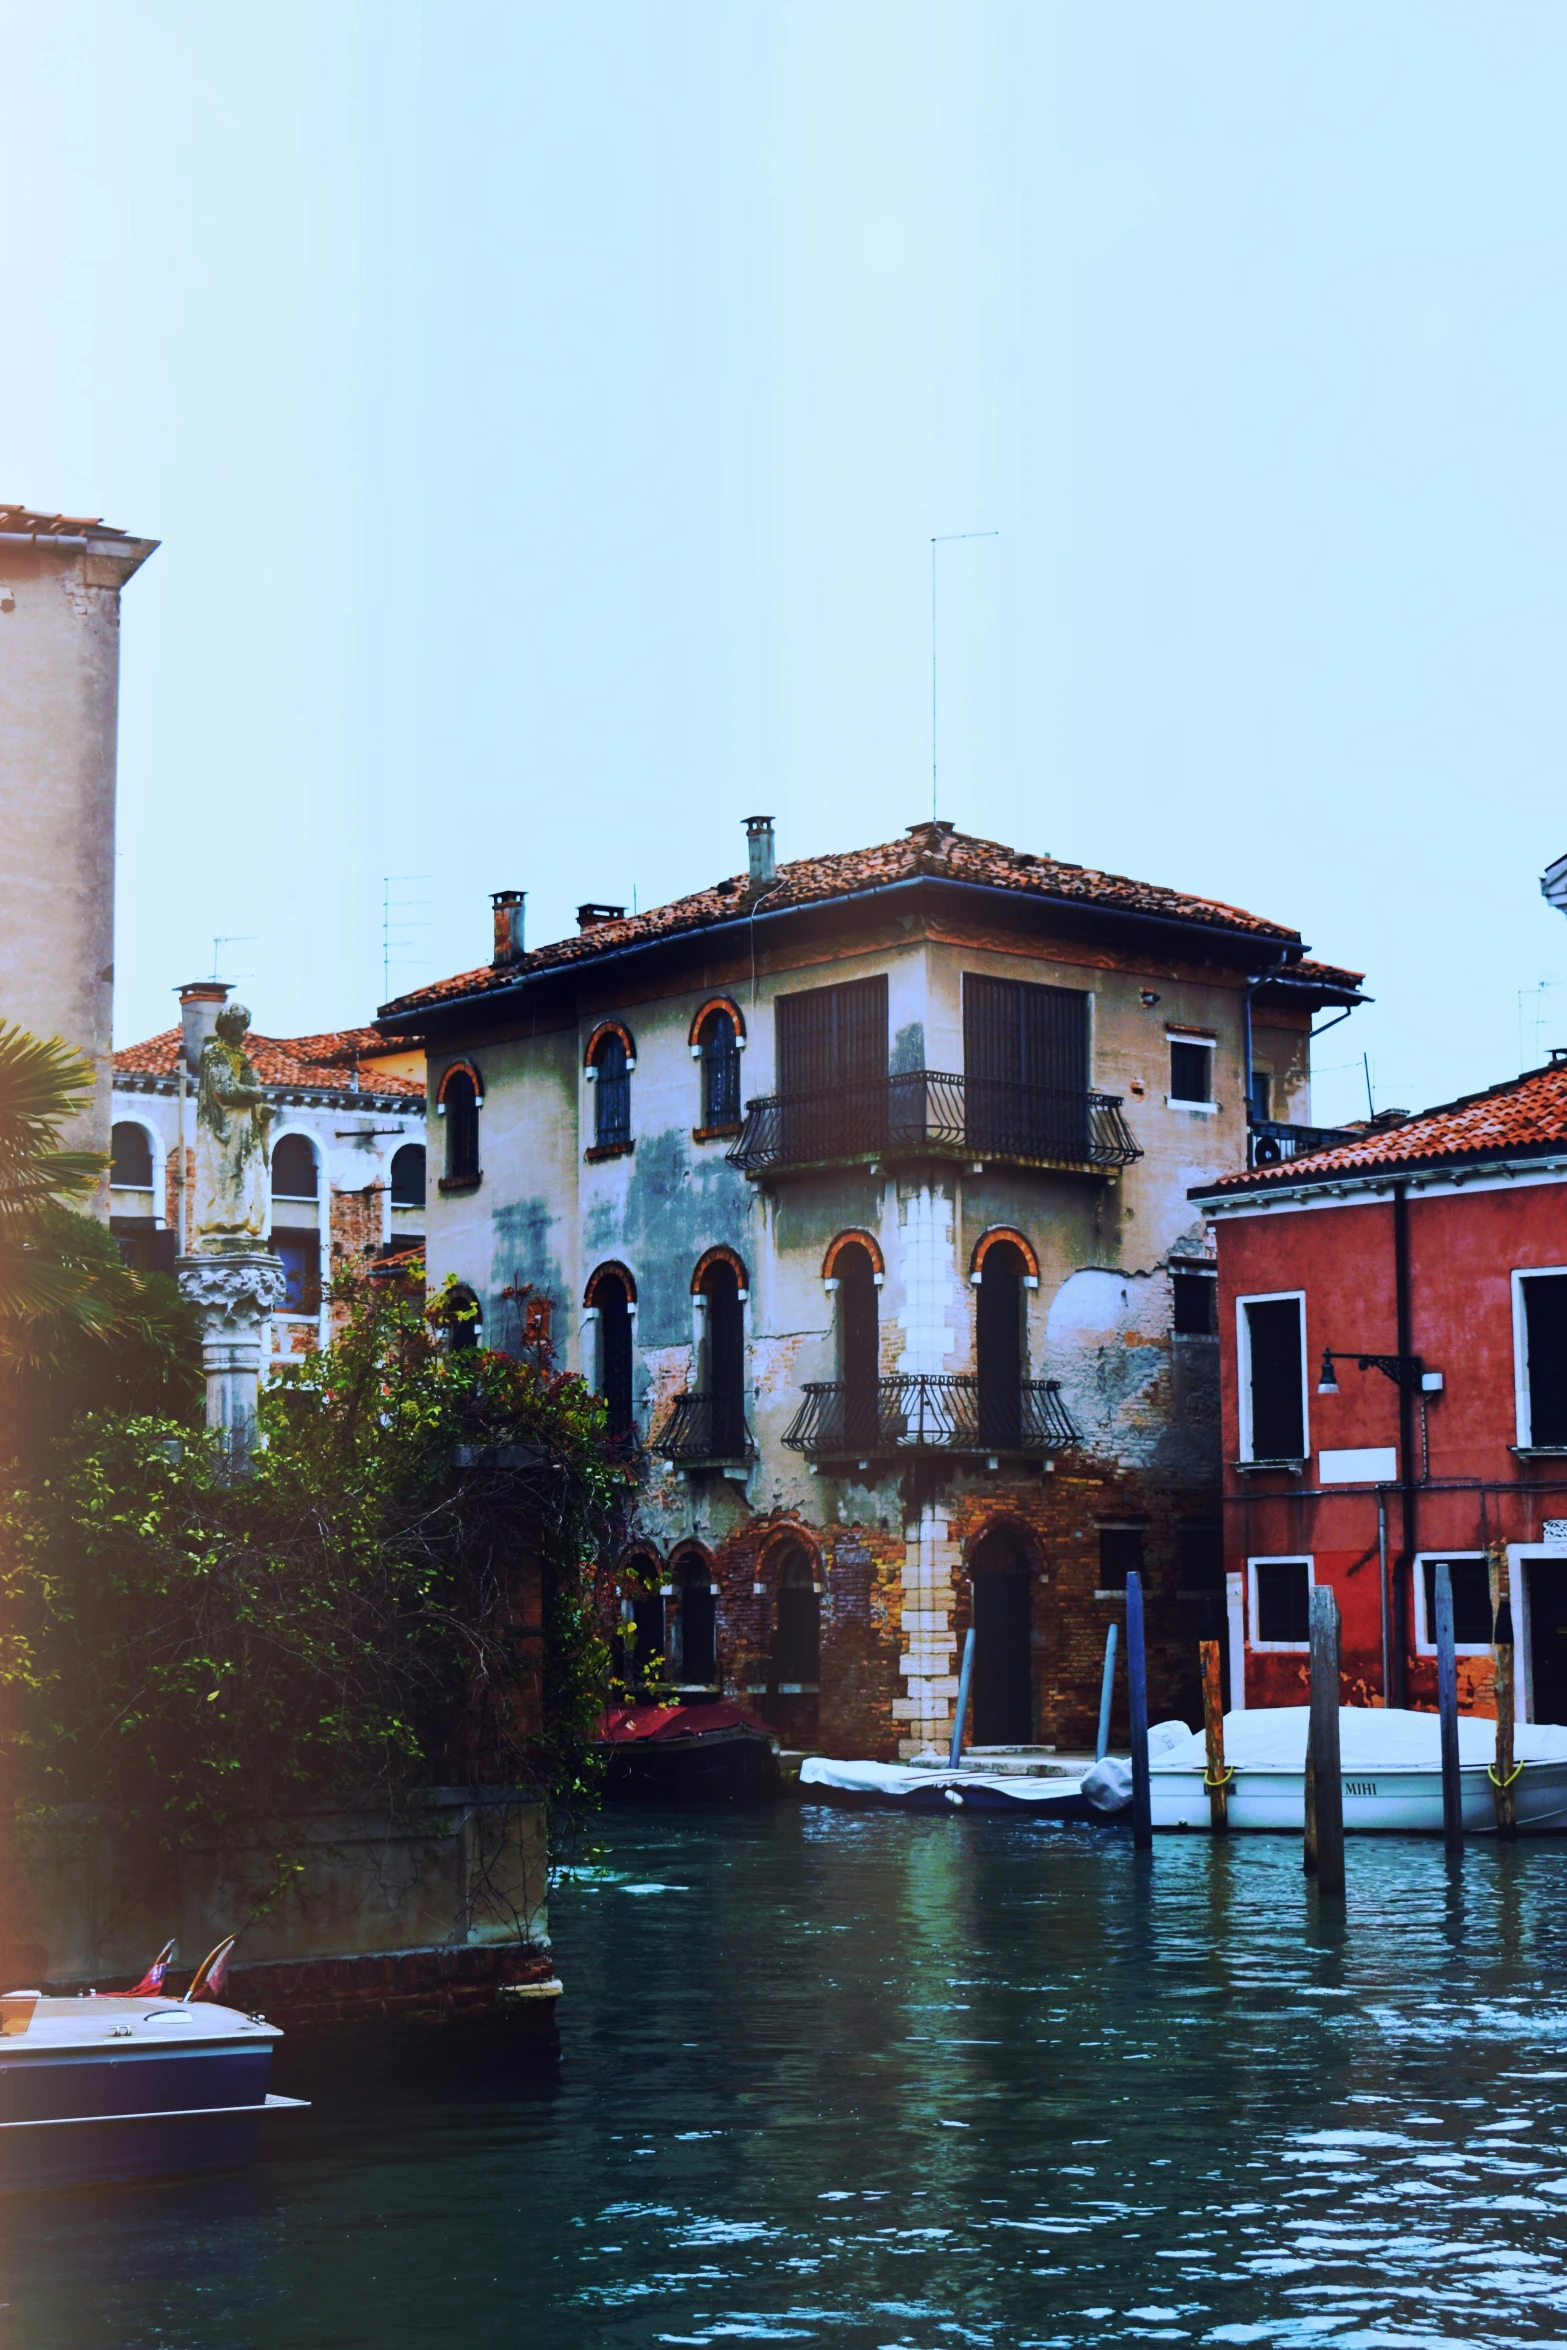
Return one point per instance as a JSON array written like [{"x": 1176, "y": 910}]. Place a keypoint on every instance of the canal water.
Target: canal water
[{"x": 856, "y": 2080}]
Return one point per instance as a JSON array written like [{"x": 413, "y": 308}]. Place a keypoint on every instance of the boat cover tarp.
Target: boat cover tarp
[
  {"x": 904, "y": 1779},
  {"x": 1371, "y": 1738},
  {"x": 636, "y": 1725}
]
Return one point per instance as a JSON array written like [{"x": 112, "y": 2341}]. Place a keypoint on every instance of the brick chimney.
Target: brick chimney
[
  {"x": 764, "y": 859},
  {"x": 201, "y": 1000},
  {"x": 511, "y": 906},
  {"x": 592, "y": 914}
]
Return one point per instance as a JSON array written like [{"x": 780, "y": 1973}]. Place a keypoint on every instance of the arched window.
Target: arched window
[
  {"x": 719, "y": 1046},
  {"x": 797, "y": 1624},
  {"x": 294, "y": 1171},
  {"x": 131, "y": 1165},
  {"x": 999, "y": 1345},
  {"x": 614, "y": 1350},
  {"x": 696, "y": 1626},
  {"x": 408, "y": 1176},
  {"x": 724, "y": 1368},
  {"x": 465, "y": 1322},
  {"x": 611, "y": 1066},
  {"x": 859, "y": 1342},
  {"x": 460, "y": 1103}
]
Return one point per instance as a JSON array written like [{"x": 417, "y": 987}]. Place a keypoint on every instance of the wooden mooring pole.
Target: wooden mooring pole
[
  {"x": 1324, "y": 1855},
  {"x": 1218, "y": 1775},
  {"x": 1106, "y": 1695},
  {"x": 1505, "y": 1770},
  {"x": 1137, "y": 1692},
  {"x": 1447, "y": 1710}
]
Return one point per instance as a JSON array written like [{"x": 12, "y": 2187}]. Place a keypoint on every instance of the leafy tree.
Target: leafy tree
[{"x": 398, "y": 1595}]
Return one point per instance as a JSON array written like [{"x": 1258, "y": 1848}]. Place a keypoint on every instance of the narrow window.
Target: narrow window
[
  {"x": 1277, "y": 1407},
  {"x": 294, "y": 1173},
  {"x": 999, "y": 1346},
  {"x": 1003, "y": 1652},
  {"x": 1191, "y": 1071},
  {"x": 1471, "y": 1602},
  {"x": 859, "y": 1343},
  {"x": 1545, "y": 1338},
  {"x": 720, "y": 1050},
  {"x": 1283, "y": 1588},
  {"x": 131, "y": 1164},
  {"x": 460, "y": 1102},
  {"x": 797, "y": 1637},
  {"x": 301, "y": 1255},
  {"x": 612, "y": 1090},
  {"x": 1261, "y": 1096},
  {"x": 1202, "y": 1557},
  {"x": 647, "y": 1635},
  {"x": 408, "y": 1176},
  {"x": 614, "y": 1350},
  {"x": 1120, "y": 1550},
  {"x": 725, "y": 1347},
  {"x": 1194, "y": 1296},
  {"x": 698, "y": 1624},
  {"x": 466, "y": 1322}
]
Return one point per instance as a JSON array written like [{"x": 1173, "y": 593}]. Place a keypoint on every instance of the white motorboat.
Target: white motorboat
[
  {"x": 106, "y": 2087},
  {"x": 1391, "y": 1766}
]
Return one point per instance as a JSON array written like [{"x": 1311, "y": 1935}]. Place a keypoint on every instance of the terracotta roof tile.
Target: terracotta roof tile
[
  {"x": 926, "y": 849},
  {"x": 1525, "y": 1114},
  {"x": 327, "y": 1061},
  {"x": 22, "y": 522}
]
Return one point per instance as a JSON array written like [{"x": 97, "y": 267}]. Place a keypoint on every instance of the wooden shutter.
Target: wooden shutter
[{"x": 832, "y": 1036}]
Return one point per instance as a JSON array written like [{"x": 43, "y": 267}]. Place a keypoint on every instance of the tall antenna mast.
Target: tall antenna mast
[{"x": 950, "y": 539}]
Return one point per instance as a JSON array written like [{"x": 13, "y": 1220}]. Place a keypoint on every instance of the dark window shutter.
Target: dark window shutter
[
  {"x": 1025, "y": 1067},
  {"x": 832, "y": 1036},
  {"x": 1277, "y": 1409},
  {"x": 1545, "y": 1318}
]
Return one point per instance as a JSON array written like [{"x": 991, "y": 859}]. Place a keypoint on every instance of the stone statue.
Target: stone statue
[{"x": 232, "y": 1205}]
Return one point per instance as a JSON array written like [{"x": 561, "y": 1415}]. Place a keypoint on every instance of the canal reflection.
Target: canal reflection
[{"x": 867, "y": 2081}]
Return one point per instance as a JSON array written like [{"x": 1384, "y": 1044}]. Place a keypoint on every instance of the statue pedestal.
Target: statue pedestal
[{"x": 236, "y": 1292}]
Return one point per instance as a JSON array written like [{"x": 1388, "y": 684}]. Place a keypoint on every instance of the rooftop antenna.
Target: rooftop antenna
[
  {"x": 399, "y": 915},
  {"x": 246, "y": 938},
  {"x": 950, "y": 539}
]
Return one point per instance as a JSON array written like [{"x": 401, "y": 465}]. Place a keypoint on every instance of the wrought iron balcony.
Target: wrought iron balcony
[
  {"x": 923, "y": 1112},
  {"x": 925, "y": 1413},
  {"x": 705, "y": 1428},
  {"x": 1268, "y": 1143}
]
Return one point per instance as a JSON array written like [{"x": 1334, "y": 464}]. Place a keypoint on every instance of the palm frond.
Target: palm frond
[{"x": 43, "y": 1082}]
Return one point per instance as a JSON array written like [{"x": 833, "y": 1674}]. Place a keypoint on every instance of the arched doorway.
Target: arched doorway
[
  {"x": 614, "y": 1349},
  {"x": 1003, "y": 1688},
  {"x": 999, "y": 1346},
  {"x": 797, "y": 1631}
]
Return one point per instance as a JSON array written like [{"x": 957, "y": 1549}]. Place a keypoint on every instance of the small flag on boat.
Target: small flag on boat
[
  {"x": 151, "y": 1983},
  {"x": 207, "y": 1981}
]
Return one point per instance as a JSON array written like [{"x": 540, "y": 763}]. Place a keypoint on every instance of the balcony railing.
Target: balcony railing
[
  {"x": 1268, "y": 1143},
  {"x": 705, "y": 1428},
  {"x": 923, "y": 1111},
  {"x": 925, "y": 1413}
]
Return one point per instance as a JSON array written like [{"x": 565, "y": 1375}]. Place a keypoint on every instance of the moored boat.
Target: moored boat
[
  {"x": 1390, "y": 1765},
  {"x": 100, "y": 2088},
  {"x": 710, "y": 1751}
]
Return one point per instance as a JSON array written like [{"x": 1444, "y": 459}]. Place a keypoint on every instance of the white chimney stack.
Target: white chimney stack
[{"x": 759, "y": 841}]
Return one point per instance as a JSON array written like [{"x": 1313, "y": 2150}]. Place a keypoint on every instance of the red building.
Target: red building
[{"x": 1393, "y": 1338}]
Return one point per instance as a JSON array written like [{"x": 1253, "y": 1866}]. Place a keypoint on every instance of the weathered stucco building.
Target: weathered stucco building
[
  {"x": 347, "y": 1142},
  {"x": 60, "y": 582},
  {"x": 860, "y": 1187}
]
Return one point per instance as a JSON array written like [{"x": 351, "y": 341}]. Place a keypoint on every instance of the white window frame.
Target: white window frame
[
  {"x": 1279, "y": 1558},
  {"x": 1208, "y": 1045},
  {"x": 1520, "y": 1557},
  {"x": 1425, "y": 1633},
  {"x": 1268, "y": 1297},
  {"x": 1522, "y": 1411}
]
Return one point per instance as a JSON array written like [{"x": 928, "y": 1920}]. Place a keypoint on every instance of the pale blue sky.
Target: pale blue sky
[{"x": 546, "y": 411}]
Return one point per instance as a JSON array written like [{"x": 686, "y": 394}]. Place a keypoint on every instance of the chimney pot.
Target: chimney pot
[
  {"x": 759, "y": 842},
  {"x": 511, "y": 905},
  {"x": 591, "y": 915},
  {"x": 201, "y": 1000}
]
